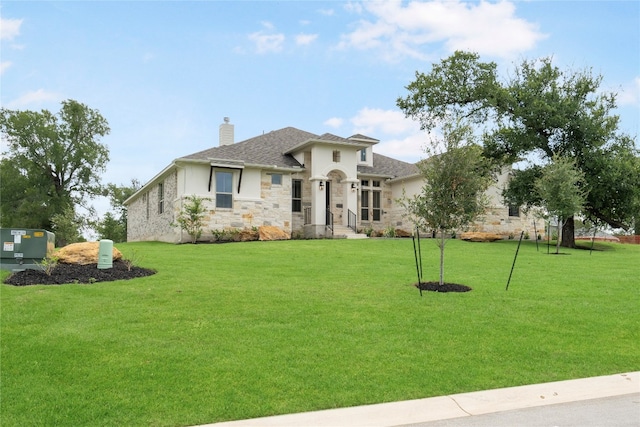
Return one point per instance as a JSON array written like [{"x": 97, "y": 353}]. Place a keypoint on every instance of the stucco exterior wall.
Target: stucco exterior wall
[
  {"x": 495, "y": 220},
  {"x": 397, "y": 213}
]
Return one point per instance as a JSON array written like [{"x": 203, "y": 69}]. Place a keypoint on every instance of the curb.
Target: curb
[{"x": 454, "y": 406}]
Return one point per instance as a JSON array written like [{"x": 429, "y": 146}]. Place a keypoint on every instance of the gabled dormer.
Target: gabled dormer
[{"x": 365, "y": 155}]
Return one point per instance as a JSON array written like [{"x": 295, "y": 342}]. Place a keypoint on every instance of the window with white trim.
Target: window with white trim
[
  {"x": 224, "y": 189},
  {"x": 296, "y": 195}
]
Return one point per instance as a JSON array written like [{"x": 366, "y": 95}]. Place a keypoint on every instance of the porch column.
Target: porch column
[
  {"x": 350, "y": 192},
  {"x": 318, "y": 204}
]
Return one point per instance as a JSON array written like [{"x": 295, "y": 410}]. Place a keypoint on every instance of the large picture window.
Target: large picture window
[
  {"x": 364, "y": 212},
  {"x": 377, "y": 205},
  {"x": 224, "y": 189},
  {"x": 296, "y": 195}
]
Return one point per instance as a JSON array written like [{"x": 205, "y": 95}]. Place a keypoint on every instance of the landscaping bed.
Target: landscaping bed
[{"x": 76, "y": 273}]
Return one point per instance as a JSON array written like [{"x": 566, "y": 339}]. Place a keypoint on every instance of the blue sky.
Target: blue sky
[{"x": 164, "y": 74}]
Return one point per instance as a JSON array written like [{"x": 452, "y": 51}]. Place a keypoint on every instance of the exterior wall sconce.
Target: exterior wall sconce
[
  {"x": 353, "y": 186},
  {"x": 321, "y": 185}
]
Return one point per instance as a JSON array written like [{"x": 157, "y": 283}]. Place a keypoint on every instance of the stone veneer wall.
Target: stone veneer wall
[
  {"x": 154, "y": 226},
  {"x": 297, "y": 218},
  {"x": 274, "y": 209},
  {"x": 496, "y": 220}
]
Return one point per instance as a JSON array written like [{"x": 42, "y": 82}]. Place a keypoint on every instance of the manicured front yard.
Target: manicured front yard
[{"x": 242, "y": 330}]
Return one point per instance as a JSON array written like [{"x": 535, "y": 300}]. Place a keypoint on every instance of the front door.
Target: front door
[{"x": 327, "y": 196}]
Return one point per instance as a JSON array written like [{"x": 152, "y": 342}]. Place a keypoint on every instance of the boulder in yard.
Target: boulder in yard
[
  {"x": 476, "y": 236},
  {"x": 83, "y": 253},
  {"x": 402, "y": 233},
  {"x": 269, "y": 232}
]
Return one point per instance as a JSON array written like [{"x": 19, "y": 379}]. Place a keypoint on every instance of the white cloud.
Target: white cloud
[
  {"x": 410, "y": 148},
  {"x": 305, "y": 39},
  {"x": 9, "y": 28},
  {"x": 268, "y": 25},
  {"x": 4, "y": 66},
  {"x": 391, "y": 122},
  {"x": 354, "y": 7},
  {"x": 334, "y": 122},
  {"x": 630, "y": 93},
  {"x": 326, "y": 12},
  {"x": 266, "y": 41},
  {"x": 32, "y": 98},
  {"x": 400, "y": 137},
  {"x": 400, "y": 30}
]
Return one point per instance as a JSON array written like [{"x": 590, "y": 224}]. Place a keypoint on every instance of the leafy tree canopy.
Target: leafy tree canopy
[
  {"x": 539, "y": 112},
  {"x": 455, "y": 181},
  {"x": 54, "y": 162}
]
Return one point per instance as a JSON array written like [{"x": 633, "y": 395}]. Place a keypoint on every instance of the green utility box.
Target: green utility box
[{"x": 24, "y": 249}]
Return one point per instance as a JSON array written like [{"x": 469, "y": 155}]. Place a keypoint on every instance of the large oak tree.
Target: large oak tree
[
  {"x": 536, "y": 114},
  {"x": 54, "y": 162}
]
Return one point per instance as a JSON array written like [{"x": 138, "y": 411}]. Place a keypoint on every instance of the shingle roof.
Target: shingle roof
[
  {"x": 363, "y": 137},
  {"x": 268, "y": 149},
  {"x": 332, "y": 137},
  {"x": 386, "y": 166}
]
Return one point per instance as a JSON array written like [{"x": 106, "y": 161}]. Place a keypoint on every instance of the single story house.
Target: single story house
[{"x": 308, "y": 185}]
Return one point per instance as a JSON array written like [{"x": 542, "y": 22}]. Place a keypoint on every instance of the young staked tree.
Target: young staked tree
[
  {"x": 559, "y": 188},
  {"x": 456, "y": 176},
  {"x": 539, "y": 112},
  {"x": 56, "y": 161},
  {"x": 191, "y": 216}
]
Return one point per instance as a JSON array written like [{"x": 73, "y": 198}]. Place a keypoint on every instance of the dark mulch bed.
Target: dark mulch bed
[
  {"x": 75, "y": 273},
  {"x": 446, "y": 287}
]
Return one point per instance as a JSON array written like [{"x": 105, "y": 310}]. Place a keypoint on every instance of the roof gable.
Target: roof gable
[{"x": 271, "y": 148}]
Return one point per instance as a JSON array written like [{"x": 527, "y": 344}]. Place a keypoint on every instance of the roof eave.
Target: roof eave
[
  {"x": 404, "y": 177},
  {"x": 151, "y": 182},
  {"x": 310, "y": 142}
]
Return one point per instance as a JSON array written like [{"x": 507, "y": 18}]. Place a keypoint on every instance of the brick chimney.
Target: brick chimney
[{"x": 226, "y": 133}]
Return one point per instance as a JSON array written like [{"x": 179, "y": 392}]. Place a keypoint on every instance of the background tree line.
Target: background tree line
[
  {"x": 51, "y": 171},
  {"x": 540, "y": 117}
]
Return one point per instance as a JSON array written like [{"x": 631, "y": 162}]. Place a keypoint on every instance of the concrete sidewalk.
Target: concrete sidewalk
[{"x": 423, "y": 411}]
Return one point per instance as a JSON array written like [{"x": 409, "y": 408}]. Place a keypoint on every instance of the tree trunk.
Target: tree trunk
[
  {"x": 442, "y": 242},
  {"x": 568, "y": 233}
]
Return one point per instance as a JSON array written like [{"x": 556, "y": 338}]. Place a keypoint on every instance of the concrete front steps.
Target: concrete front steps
[{"x": 344, "y": 232}]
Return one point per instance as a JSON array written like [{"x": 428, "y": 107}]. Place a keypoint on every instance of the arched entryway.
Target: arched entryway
[{"x": 341, "y": 198}]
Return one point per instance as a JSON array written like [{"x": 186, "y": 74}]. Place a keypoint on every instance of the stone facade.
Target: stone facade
[
  {"x": 150, "y": 215},
  {"x": 259, "y": 175}
]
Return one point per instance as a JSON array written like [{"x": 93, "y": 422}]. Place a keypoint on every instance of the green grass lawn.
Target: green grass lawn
[{"x": 242, "y": 330}]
